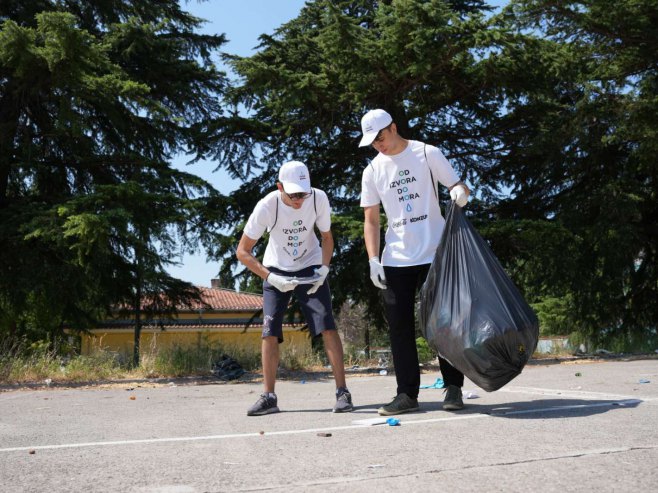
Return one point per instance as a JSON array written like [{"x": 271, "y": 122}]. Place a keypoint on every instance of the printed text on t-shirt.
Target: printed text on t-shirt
[{"x": 403, "y": 191}]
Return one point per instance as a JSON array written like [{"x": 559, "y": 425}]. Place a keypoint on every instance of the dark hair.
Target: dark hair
[{"x": 380, "y": 132}]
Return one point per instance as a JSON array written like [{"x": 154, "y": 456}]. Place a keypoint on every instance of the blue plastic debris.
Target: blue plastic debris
[
  {"x": 644, "y": 380},
  {"x": 436, "y": 385},
  {"x": 393, "y": 422}
]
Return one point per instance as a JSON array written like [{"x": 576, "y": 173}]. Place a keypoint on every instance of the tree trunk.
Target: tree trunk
[
  {"x": 8, "y": 125},
  {"x": 137, "y": 310}
]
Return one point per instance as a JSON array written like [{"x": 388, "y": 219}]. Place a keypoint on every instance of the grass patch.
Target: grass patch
[
  {"x": 22, "y": 368},
  {"x": 22, "y": 365}
]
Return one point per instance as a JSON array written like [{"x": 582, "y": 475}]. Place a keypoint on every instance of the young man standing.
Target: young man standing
[
  {"x": 403, "y": 179},
  {"x": 293, "y": 252}
]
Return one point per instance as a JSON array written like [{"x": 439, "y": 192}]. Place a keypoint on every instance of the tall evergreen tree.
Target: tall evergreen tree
[
  {"x": 547, "y": 108},
  {"x": 582, "y": 159},
  {"x": 312, "y": 80},
  {"x": 96, "y": 98}
]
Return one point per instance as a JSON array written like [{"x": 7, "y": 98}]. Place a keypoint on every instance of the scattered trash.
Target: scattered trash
[
  {"x": 32, "y": 452},
  {"x": 373, "y": 466},
  {"x": 602, "y": 351},
  {"x": 48, "y": 381},
  {"x": 172, "y": 384},
  {"x": 393, "y": 422},
  {"x": 302, "y": 381},
  {"x": 644, "y": 380},
  {"x": 470, "y": 394},
  {"x": 132, "y": 397},
  {"x": 370, "y": 421},
  {"x": 261, "y": 432},
  {"x": 130, "y": 388},
  {"x": 383, "y": 372},
  {"x": 438, "y": 384},
  {"x": 577, "y": 387},
  {"x": 355, "y": 367},
  {"x": 324, "y": 434},
  {"x": 227, "y": 368},
  {"x": 578, "y": 374}
]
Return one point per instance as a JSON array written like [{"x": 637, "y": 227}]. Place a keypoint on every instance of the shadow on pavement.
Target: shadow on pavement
[{"x": 551, "y": 408}]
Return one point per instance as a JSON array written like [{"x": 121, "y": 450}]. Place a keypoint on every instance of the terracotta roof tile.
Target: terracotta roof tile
[{"x": 227, "y": 299}]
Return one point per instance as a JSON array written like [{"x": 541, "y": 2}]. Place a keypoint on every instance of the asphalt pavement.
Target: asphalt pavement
[{"x": 558, "y": 427}]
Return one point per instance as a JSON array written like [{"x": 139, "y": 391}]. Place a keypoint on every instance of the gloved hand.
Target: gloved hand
[
  {"x": 322, "y": 272},
  {"x": 459, "y": 194},
  {"x": 281, "y": 283},
  {"x": 377, "y": 273}
]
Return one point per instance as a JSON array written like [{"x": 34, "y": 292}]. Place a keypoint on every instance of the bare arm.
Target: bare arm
[
  {"x": 371, "y": 230},
  {"x": 245, "y": 255},
  {"x": 327, "y": 247}
]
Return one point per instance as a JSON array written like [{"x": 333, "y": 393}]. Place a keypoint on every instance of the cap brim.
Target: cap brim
[
  {"x": 367, "y": 139},
  {"x": 294, "y": 188}
]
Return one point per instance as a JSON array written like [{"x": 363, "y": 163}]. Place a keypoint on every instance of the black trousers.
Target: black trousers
[{"x": 402, "y": 284}]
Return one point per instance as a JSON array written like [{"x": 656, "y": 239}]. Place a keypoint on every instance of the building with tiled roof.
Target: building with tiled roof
[{"x": 226, "y": 317}]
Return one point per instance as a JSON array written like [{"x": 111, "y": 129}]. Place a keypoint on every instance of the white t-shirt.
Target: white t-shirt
[
  {"x": 403, "y": 185},
  {"x": 293, "y": 244}
]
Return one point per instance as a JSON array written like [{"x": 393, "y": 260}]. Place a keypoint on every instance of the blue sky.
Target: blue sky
[{"x": 242, "y": 21}]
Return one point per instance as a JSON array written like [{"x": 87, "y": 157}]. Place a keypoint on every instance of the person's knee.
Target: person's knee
[
  {"x": 270, "y": 341},
  {"x": 331, "y": 338}
]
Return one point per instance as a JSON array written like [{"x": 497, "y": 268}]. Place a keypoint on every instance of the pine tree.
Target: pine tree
[{"x": 96, "y": 98}]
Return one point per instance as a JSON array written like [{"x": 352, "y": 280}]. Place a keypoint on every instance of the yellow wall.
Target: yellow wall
[{"x": 121, "y": 340}]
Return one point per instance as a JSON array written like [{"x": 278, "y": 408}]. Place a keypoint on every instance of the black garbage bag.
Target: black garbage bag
[{"x": 471, "y": 312}]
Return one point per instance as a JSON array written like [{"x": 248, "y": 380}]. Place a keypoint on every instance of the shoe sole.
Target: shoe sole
[
  {"x": 344, "y": 410},
  {"x": 270, "y": 410},
  {"x": 452, "y": 407},
  {"x": 384, "y": 412}
]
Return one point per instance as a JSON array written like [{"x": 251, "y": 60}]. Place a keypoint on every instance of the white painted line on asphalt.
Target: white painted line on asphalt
[
  {"x": 455, "y": 417},
  {"x": 584, "y": 394}
]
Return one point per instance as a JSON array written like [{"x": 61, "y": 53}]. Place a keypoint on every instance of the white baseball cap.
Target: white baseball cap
[
  {"x": 371, "y": 123},
  {"x": 295, "y": 178}
]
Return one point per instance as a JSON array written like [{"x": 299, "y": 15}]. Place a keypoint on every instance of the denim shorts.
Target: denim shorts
[{"x": 316, "y": 307}]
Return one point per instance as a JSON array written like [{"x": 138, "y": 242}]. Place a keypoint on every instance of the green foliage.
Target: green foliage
[
  {"x": 95, "y": 100},
  {"x": 311, "y": 81},
  {"x": 425, "y": 353},
  {"x": 39, "y": 361},
  {"x": 554, "y": 316},
  {"x": 547, "y": 108},
  {"x": 581, "y": 155}
]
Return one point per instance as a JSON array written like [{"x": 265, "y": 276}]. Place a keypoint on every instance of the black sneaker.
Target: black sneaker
[
  {"x": 401, "y": 404},
  {"x": 264, "y": 405},
  {"x": 343, "y": 401},
  {"x": 453, "y": 399}
]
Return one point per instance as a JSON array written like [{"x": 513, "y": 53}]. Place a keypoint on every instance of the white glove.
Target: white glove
[
  {"x": 281, "y": 283},
  {"x": 459, "y": 195},
  {"x": 322, "y": 272},
  {"x": 377, "y": 273}
]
